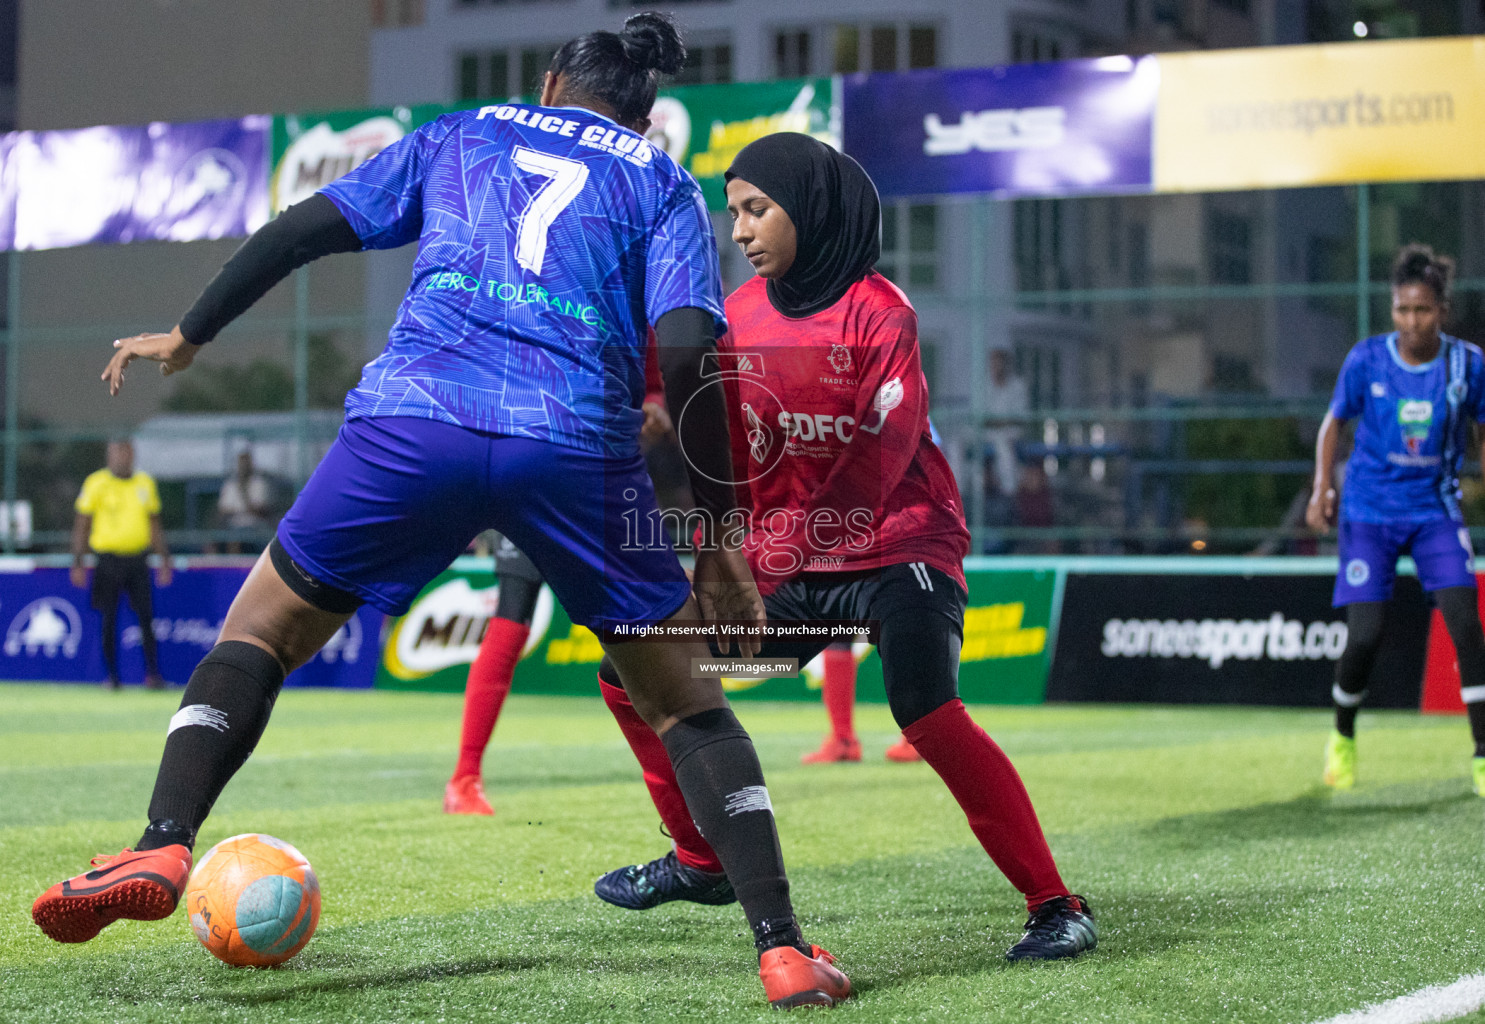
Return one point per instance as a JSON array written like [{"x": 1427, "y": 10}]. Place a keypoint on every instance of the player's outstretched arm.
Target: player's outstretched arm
[
  {"x": 722, "y": 581},
  {"x": 1321, "y": 511},
  {"x": 304, "y": 232}
]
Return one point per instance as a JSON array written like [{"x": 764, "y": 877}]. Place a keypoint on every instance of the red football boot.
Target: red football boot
[
  {"x": 465, "y": 795},
  {"x": 142, "y": 886},
  {"x": 792, "y": 979},
  {"x": 834, "y": 749}
]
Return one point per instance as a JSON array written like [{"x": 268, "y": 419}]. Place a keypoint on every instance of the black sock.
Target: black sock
[
  {"x": 1477, "y": 726},
  {"x": 1345, "y": 720},
  {"x": 222, "y": 715},
  {"x": 1363, "y": 637},
  {"x": 719, "y": 775}
]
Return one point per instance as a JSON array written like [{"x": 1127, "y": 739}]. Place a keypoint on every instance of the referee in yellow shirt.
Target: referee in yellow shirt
[{"x": 118, "y": 517}]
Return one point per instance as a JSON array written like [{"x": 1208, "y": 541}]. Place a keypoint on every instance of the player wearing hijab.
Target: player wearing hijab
[
  {"x": 508, "y": 397},
  {"x": 1416, "y": 391},
  {"x": 856, "y": 515}
]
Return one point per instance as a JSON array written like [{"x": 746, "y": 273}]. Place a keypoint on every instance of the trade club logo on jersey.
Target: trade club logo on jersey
[
  {"x": 1357, "y": 572},
  {"x": 1415, "y": 420},
  {"x": 1379, "y": 390},
  {"x": 48, "y": 626},
  {"x": 840, "y": 358}
]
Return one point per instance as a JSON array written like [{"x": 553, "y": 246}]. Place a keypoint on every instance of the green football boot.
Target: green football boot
[
  {"x": 1477, "y": 769},
  {"x": 1340, "y": 762}
]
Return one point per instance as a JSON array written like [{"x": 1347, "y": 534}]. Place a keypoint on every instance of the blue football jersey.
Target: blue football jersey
[
  {"x": 548, "y": 239},
  {"x": 1404, "y": 466}
]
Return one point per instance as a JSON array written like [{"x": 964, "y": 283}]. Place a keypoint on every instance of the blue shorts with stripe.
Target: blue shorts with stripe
[
  {"x": 396, "y": 499},
  {"x": 1369, "y": 552}
]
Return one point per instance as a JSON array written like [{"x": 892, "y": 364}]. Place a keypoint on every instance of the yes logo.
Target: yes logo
[{"x": 1415, "y": 419}]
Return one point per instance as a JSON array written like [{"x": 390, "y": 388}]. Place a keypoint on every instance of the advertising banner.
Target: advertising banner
[
  {"x": 1403, "y": 110},
  {"x": 52, "y": 632},
  {"x": 1003, "y": 661},
  {"x": 155, "y": 182},
  {"x": 312, "y": 150},
  {"x": 1028, "y": 129},
  {"x": 703, "y": 126},
  {"x": 1224, "y": 639}
]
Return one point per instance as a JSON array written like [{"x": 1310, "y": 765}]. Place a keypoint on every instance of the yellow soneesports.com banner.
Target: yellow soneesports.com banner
[{"x": 1406, "y": 110}]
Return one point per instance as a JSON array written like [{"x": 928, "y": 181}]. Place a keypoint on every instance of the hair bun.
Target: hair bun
[{"x": 650, "y": 40}]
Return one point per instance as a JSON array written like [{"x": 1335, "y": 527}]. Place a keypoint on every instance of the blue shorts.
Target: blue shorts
[
  {"x": 1369, "y": 552},
  {"x": 396, "y": 499}
]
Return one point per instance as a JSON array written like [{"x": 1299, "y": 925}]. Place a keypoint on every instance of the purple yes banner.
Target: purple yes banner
[
  {"x": 1027, "y": 129},
  {"x": 133, "y": 183}
]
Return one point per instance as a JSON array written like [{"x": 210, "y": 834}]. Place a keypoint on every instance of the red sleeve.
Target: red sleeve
[
  {"x": 654, "y": 384},
  {"x": 891, "y": 406}
]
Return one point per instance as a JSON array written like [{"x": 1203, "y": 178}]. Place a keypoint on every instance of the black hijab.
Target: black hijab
[{"x": 835, "y": 211}]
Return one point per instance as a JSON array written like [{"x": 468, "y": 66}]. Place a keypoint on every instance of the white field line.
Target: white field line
[{"x": 1427, "y": 1005}]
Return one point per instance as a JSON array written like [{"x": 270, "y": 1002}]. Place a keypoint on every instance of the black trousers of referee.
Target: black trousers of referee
[{"x": 128, "y": 575}]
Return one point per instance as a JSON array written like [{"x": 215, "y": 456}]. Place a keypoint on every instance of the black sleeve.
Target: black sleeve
[
  {"x": 304, "y": 232},
  {"x": 684, "y": 337}
]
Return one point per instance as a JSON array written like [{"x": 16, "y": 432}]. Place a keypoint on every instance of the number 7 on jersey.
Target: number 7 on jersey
[{"x": 566, "y": 179}]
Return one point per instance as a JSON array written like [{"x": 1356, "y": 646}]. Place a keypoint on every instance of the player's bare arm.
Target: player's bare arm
[{"x": 1320, "y": 513}]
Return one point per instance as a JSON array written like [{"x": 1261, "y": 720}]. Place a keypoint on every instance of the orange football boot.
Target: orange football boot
[
  {"x": 903, "y": 752},
  {"x": 834, "y": 749},
  {"x": 792, "y": 979},
  {"x": 465, "y": 795},
  {"x": 142, "y": 886}
]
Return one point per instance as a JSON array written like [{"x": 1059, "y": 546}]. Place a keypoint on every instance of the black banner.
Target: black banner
[{"x": 1200, "y": 639}]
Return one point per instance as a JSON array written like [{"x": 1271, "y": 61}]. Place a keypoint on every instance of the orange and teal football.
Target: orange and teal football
[{"x": 253, "y": 900}]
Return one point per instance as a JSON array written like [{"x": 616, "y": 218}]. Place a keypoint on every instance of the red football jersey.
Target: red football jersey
[{"x": 830, "y": 437}]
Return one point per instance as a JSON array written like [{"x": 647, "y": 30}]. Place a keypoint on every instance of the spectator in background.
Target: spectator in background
[
  {"x": 242, "y": 503},
  {"x": 1006, "y": 401},
  {"x": 1036, "y": 506},
  {"x": 118, "y": 519}
]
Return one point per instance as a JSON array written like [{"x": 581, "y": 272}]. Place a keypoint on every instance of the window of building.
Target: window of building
[
  {"x": 1038, "y": 235},
  {"x": 396, "y": 13},
  {"x": 487, "y": 74},
  {"x": 706, "y": 62},
  {"x": 843, "y": 48},
  {"x": 1230, "y": 248},
  {"x": 791, "y": 52},
  {"x": 484, "y": 75},
  {"x": 1033, "y": 41},
  {"x": 910, "y": 245}
]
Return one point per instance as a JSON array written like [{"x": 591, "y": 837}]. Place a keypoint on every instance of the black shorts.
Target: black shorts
[
  {"x": 519, "y": 580},
  {"x": 511, "y": 563},
  {"x": 126, "y": 574},
  {"x": 916, "y": 611}
]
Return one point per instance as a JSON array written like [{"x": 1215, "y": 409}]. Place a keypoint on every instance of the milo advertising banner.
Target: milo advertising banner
[
  {"x": 312, "y": 150},
  {"x": 1004, "y": 659}
]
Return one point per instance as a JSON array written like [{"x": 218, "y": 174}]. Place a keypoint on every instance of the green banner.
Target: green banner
[
  {"x": 1004, "y": 659},
  {"x": 703, "y": 126}
]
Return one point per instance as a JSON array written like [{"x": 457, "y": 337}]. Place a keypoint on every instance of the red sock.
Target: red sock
[
  {"x": 484, "y": 694},
  {"x": 994, "y": 800},
  {"x": 839, "y": 691},
  {"x": 690, "y": 849}
]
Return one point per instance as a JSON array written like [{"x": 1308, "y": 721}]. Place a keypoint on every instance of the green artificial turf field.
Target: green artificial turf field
[{"x": 1228, "y": 885}]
